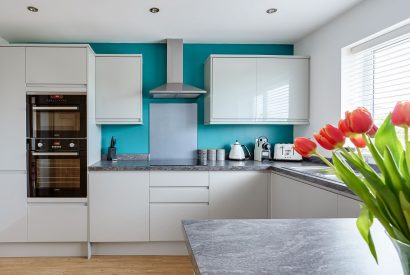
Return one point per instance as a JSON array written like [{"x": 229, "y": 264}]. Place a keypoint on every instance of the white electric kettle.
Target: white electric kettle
[{"x": 237, "y": 152}]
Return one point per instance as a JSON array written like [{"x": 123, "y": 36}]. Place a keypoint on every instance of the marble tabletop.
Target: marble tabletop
[
  {"x": 282, "y": 167},
  {"x": 304, "y": 246}
]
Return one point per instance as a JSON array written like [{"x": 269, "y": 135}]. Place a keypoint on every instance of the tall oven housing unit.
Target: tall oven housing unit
[{"x": 57, "y": 145}]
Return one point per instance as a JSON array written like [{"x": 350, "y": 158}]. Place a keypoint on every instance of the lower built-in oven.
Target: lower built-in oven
[{"x": 57, "y": 168}]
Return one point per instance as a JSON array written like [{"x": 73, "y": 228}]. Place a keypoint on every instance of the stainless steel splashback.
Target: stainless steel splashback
[{"x": 173, "y": 130}]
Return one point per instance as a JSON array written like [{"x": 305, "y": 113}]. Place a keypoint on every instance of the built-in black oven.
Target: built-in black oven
[
  {"x": 56, "y": 116},
  {"x": 57, "y": 167}
]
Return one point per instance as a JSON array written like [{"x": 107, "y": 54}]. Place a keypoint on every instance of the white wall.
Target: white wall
[
  {"x": 324, "y": 46},
  {"x": 3, "y": 41}
]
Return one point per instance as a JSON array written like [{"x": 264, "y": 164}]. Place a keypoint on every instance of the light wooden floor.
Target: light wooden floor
[{"x": 97, "y": 265}]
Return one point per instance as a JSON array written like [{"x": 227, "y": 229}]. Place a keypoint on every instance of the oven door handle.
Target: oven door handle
[
  {"x": 54, "y": 154},
  {"x": 51, "y": 108}
]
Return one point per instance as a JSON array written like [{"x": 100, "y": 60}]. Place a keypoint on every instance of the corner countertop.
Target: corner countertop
[
  {"x": 305, "y": 246},
  {"x": 282, "y": 167}
]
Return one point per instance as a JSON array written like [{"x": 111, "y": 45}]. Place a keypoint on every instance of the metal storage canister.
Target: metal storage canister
[
  {"x": 202, "y": 155},
  {"x": 211, "y": 154},
  {"x": 220, "y": 154}
]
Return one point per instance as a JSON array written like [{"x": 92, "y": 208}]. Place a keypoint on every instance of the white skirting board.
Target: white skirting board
[
  {"x": 145, "y": 248},
  {"x": 81, "y": 249},
  {"x": 43, "y": 249}
]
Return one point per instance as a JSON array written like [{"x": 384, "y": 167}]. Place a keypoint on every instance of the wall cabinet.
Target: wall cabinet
[
  {"x": 119, "y": 89},
  {"x": 119, "y": 206},
  {"x": 56, "y": 65},
  {"x": 257, "y": 89},
  {"x": 238, "y": 195},
  {"x": 175, "y": 196},
  {"x": 13, "y": 207},
  {"x": 292, "y": 199},
  {"x": 57, "y": 222},
  {"x": 13, "y": 108}
]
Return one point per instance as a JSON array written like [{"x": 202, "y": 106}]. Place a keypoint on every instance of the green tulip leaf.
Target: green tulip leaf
[
  {"x": 363, "y": 223},
  {"x": 404, "y": 167},
  {"x": 376, "y": 154},
  {"x": 386, "y": 136},
  {"x": 408, "y": 156},
  {"x": 405, "y": 206},
  {"x": 393, "y": 175}
]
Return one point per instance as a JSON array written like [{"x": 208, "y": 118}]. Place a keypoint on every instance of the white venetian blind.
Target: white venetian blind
[{"x": 378, "y": 77}]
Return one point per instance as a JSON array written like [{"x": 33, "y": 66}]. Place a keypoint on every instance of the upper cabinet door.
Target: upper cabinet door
[
  {"x": 13, "y": 108},
  {"x": 253, "y": 89},
  {"x": 56, "y": 66},
  {"x": 233, "y": 92},
  {"x": 283, "y": 89},
  {"x": 119, "y": 89}
]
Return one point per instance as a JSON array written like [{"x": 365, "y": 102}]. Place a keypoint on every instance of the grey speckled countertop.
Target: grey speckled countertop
[
  {"x": 281, "y": 167},
  {"x": 311, "y": 246}
]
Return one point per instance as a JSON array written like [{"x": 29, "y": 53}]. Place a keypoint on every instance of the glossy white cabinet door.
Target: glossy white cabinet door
[
  {"x": 233, "y": 88},
  {"x": 291, "y": 199},
  {"x": 57, "y": 222},
  {"x": 13, "y": 108},
  {"x": 347, "y": 207},
  {"x": 238, "y": 195},
  {"x": 284, "y": 198},
  {"x": 166, "y": 219},
  {"x": 119, "y": 89},
  {"x": 56, "y": 65},
  {"x": 119, "y": 206},
  {"x": 13, "y": 207},
  {"x": 179, "y": 178},
  {"x": 283, "y": 89}
]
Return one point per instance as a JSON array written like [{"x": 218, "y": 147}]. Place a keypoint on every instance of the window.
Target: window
[{"x": 377, "y": 77}]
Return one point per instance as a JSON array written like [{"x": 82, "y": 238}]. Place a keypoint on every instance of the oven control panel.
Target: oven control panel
[{"x": 57, "y": 145}]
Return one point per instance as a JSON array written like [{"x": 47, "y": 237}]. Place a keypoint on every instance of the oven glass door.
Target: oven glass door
[
  {"x": 57, "y": 175},
  {"x": 57, "y": 122}
]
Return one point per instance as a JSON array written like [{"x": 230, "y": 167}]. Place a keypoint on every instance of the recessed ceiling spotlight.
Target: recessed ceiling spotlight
[
  {"x": 32, "y": 9},
  {"x": 272, "y": 10},
  {"x": 154, "y": 10}
]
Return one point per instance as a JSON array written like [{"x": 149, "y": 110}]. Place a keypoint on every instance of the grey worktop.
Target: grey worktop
[
  {"x": 310, "y": 246},
  {"x": 281, "y": 167}
]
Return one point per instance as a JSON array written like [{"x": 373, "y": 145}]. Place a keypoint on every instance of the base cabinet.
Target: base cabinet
[
  {"x": 238, "y": 195},
  {"x": 347, "y": 207},
  {"x": 13, "y": 207},
  {"x": 119, "y": 206},
  {"x": 292, "y": 199},
  {"x": 166, "y": 218},
  {"x": 65, "y": 222},
  {"x": 176, "y": 196}
]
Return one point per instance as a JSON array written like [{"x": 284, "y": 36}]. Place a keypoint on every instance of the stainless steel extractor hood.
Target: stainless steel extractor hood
[{"x": 175, "y": 88}]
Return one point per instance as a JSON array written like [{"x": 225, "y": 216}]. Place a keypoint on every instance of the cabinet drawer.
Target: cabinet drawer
[
  {"x": 179, "y": 178},
  {"x": 56, "y": 65},
  {"x": 165, "y": 219},
  {"x": 179, "y": 194},
  {"x": 57, "y": 223}
]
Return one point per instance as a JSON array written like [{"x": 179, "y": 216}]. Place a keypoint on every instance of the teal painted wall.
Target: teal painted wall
[{"x": 135, "y": 138}]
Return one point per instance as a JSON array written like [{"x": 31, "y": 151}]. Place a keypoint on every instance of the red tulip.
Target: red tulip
[
  {"x": 304, "y": 146},
  {"x": 344, "y": 127},
  {"x": 372, "y": 132},
  {"x": 330, "y": 137},
  {"x": 401, "y": 114},
  {"x": 358, "y": 141},
  {"x": 359, "y": 120}
]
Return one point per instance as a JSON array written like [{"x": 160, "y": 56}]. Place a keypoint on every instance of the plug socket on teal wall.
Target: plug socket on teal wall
[{"x": 133, "y": 139}]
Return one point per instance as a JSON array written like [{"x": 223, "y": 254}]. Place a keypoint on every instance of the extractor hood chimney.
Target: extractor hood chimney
[{"x": 175, "y": 88}]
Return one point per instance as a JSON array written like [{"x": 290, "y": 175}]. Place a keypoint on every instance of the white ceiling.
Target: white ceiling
[{"x": 196, "y": 21}]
